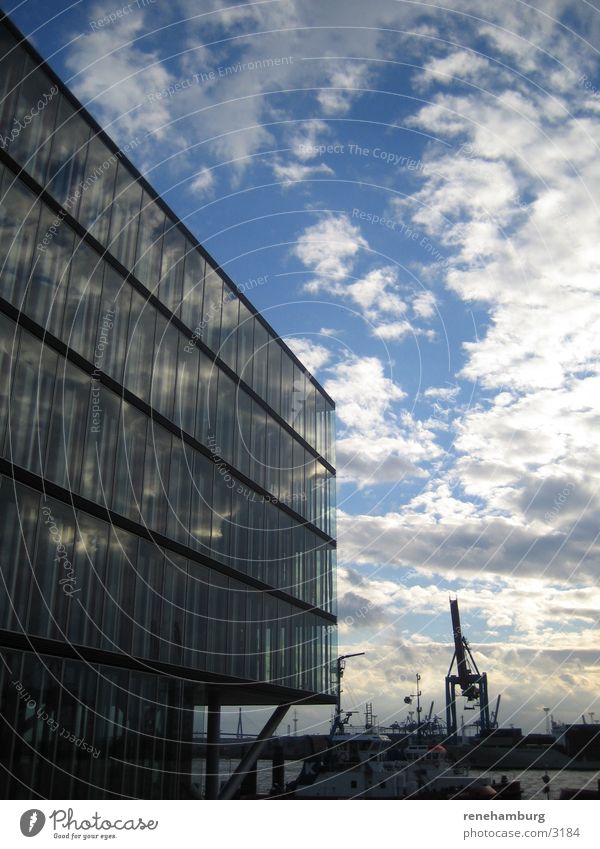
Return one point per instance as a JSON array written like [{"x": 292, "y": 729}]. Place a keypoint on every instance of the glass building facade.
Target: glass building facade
[{"x": 167, "y": 481}]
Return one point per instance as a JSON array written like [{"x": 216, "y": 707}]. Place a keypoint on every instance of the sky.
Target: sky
[{"x": 418, "y": 184}]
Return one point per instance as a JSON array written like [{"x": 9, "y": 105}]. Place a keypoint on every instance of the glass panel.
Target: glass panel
[
  {"x": 299, "y": 390},
  {"x": 130, "y": 462},
  {"x": 138, "y": 365},
  {"x": 237, "y": 628},
  {"x": 89, "y": 563},
  {"x": 287, "y": 387},
  {"x": 245, "y": 337},
  {"x": 239, "y": 529},
  {"x": 147, "y": 609},
  {"x": 171, "y": 282},
  {"x": 187, "y": 386},
  {"x": 274, "y": 376},
  {"x": 259, "y": 376},
  {"x": 19, "y": 512},
  {"x": 66, "y": 167},
  {"x": 12, "y": 59},
  {"x": 149, "y": 243},
  {"x": 225, "y": 413},
  {"x": 242, "y": 431},
  {"x": 98, "y": 468},
  {"x": 50, "y": 273},
  {"x": 67, "y": 427},
  {"x": 221, "y": 514},
  {"x": 229, "y": 323},
  {"x": 272, "y": 457},
  {"x": 34, "y": 119},
  {"x": 119, "y": 591},
  {"x": 201, "y": 514},
  {"x": 207, "y": 400},
  {"x": 19, "y": 213},
  {"x": 113, "y": 324},
  {"x": 164, "y": 372},
  {"x": 8, "y": 352},
  {"x": 83, "y": 301},
  {"x": 98, "y": 189},
  {"x": 172, "y": 625},
  {"x": 180, "y": 484},
  {"x": 257, "y": 447},
  {"x": 218, "y": 645},
  {"x": 193, "y": 290},
  {"x": 285, "y": 469},
  {"x": 31, "y": 400},
  {"x": 196, "y": 621},
  {"x": 156, "y": 478},
  {"x": 53, "y": 569},
  {"x": 125, "y": 217},
  {"x": 310, "y": 414},
  {"x": 211, "y": 311}
]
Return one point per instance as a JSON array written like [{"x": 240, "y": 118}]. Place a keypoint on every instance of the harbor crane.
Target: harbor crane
[{"x": 472, "y": 683}]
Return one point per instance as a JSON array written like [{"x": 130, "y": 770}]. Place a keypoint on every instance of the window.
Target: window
[
  {"x": 19, "y": 514},
  {"x": 89, "y": 562},
  {"x": 274, "y": 376},
  {"x": 46, "y": 292},
  {"x": 148, "y": 601},
  {"x": 140, "y": 347},
  {"x": 149, "y": 243},
  {"x": 131, "y": 447},
  {"x": 188, "y": 362},
  {"x": 125, "y": 216},
  {"x": 102, "y": 429},
  {"x": 259, "y": 361},
  {"x": 171, "y": 281},
  {"x": 19, "y": 213},
  {"x": 229, "y": 323},
  {"x": 8, "y": 351},
  {"x": 12, "y": 59},
  {"x": 156, "y": 477},
  {"x": 245, "y": 337},
  {"x": 110, "y": 339},
  {"x": 67, "y": 426},
  {"x": 211, "y": 311},
  {"x": 66, "y": 167},
  {"x": 80, "y": 319},
  {"x": 35, "y": 114},
  {"x": 98, "y": 188},
  {"x": 180, "y": 484},
  {"x": 172, "y": 623},
  {"x": 225, "y": 417},
  {"x": 31, "y": 401},
  {"x": 193, "y": 289},
  {"x": 164, "y": 371}
]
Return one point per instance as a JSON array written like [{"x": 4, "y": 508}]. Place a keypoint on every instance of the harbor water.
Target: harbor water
[{"x": 532, "y": 783}]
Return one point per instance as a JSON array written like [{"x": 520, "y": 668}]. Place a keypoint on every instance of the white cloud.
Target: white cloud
[
  {"x": 329, "y": 248},
  {"x": 203, "y": 182},
  {"x": 345, "y": 86},
  {"x": 296, "y": 172},
  {"x": 309, "y": 352}
]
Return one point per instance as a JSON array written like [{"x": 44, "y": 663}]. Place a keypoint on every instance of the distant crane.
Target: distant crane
[
  {"x": 338, "y": 721},
  {"x": 472, "y": 682}
]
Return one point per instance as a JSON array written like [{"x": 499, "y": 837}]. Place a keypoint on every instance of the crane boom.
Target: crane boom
[{"x": 462, "y": 665}]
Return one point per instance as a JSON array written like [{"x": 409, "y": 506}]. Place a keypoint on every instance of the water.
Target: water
[{"x": 532, "y": 784}]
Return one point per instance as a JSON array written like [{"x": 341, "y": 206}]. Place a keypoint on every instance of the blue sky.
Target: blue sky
[{"x": 419, "y": 185}]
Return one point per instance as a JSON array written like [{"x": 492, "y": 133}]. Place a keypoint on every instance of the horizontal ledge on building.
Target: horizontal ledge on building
[{"x": 231, "y": 691}]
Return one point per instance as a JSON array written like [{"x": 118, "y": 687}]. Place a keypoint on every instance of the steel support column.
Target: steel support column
[{"x": 248, "y": 762}]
